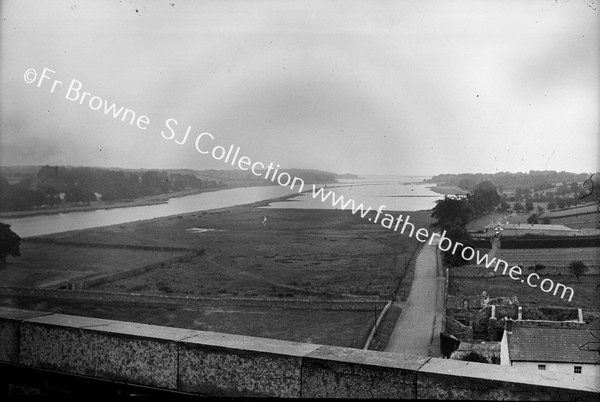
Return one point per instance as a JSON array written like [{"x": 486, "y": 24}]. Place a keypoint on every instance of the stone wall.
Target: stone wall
[
  {"x": 289, "y": 303},
  {"x": 463, "y": 332},
  {"x": 474, "y": 271},
  {"x": 209, "y": 363}
]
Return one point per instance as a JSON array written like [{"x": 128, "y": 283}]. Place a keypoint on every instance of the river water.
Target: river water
[{"x": 396, "y": 192}]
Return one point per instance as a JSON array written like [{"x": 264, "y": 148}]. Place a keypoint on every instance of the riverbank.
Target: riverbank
[
  {"x": 142, "y": 201},
  {"x": 449, "y": 190},
  {"x": 138, "y": 202}
]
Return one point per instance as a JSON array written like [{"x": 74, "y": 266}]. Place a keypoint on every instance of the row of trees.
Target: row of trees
[
  {"x": 56, "y": 185},
  {"x": 538, "y": 180}
]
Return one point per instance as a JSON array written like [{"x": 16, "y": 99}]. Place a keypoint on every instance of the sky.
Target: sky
[{"x": 368, "y": 87}]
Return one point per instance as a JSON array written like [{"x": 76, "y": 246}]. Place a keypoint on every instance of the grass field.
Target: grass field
[
  {"x": 315, "y": 254},
  {"x": 300, "y": 252},
  {"x": 41, "y": 264},
  {"x": 555, "y": 257},
  {"x": 327, "y": 327}
]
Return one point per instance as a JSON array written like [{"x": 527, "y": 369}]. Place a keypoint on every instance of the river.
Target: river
[{"x": 396, "y": 192}]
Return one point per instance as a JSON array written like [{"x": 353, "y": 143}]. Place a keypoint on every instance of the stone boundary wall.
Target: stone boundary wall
[
  {"x": 474, "y": 271},
  {"x": 43, "y": 240},
  {"x": 305, "y": 304},
  {"x": 217, "y": 364},
  {"x": 96, "y": 280}
]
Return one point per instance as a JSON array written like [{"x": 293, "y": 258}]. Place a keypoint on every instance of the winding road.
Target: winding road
[{"x": 417, "y": 331}]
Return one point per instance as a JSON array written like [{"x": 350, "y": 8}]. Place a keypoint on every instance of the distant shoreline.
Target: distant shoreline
[
  {"x": 449, "y": 190},
  {"x": 139, "y": 202}
]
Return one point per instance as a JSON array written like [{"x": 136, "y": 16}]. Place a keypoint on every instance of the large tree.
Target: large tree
[
  {"x": 484, "y": 198},
  {"x": 451, "y": 212},
  {"x": 9, "y": 243}
]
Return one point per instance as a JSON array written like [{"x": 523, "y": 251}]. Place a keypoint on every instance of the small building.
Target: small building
[
  {"x": 521, "y": 229},
  {"x": 552, "y": 349}
]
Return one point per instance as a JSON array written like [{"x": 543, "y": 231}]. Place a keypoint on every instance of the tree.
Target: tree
[
  {"x": 484, "y": 198},
  {"x": 577, "y": 268},
  {"x": 529, "y": 206},
  {"x": 503, "y": 207},
  {"x": 533, "y": 219},
  {"x": 551, "y": 205},
  {"x": 451, "y": 212},
  {"x": 9, "y": 243},
  {"x": 518, "y": 207},
  {"x": 461, "y": 239},
  {"x": 467, "y": 183}
]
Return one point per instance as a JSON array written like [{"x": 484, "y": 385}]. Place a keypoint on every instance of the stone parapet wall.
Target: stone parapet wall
[{"x": 209, "y": 363}]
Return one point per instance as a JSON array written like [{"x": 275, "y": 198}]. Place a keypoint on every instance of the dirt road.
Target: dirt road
[{"x": 417, "y": 331}]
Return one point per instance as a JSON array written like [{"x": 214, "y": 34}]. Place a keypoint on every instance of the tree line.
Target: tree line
[
  {"x": 534, "y": 179},
  {"x": 452, "y": 215},
  {"x": 58, "y": 185}
]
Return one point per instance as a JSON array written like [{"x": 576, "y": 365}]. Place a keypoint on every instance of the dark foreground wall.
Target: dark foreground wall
[{"x": 208, "y": 363}]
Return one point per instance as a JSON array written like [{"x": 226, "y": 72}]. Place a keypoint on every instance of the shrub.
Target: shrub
[
  {"x": 474, "y": 357},
  {"x": 577, "y": 268}
]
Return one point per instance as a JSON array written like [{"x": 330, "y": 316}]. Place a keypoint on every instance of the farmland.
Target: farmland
[
  {"x": 551, "y": 257},
  {"x": 316, "y": 255}
]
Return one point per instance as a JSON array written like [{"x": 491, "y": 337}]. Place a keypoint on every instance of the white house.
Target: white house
[{"x": 552, "y": 349}]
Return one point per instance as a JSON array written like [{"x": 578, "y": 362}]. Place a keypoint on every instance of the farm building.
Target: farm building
[
  {"x": 566, "y": 350},
  {"x": 521, "y": 229}
]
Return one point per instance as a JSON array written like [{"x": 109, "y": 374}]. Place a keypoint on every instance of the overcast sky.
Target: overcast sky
[{"x": 371, "y": 87}]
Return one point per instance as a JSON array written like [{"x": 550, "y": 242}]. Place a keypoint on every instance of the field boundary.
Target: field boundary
[
  {"x": 304, "y": 304},
  {"x": 39, "y": 240},
  {"x": 376, "y": 325}
]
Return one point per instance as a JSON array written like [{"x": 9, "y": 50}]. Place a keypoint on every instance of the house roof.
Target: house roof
[
  {"x": 543, "y": 344},
  {"x": 527, "y": 226}
]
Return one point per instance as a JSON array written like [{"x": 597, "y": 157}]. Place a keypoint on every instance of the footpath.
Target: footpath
[{"x": 417, "y": 331}]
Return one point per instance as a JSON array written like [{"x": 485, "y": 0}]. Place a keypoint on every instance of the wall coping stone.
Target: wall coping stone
[
  {"x": 249, "y": 343},
  {"x": 369, "y": 357},
  {"x": 233, "y": 365}
]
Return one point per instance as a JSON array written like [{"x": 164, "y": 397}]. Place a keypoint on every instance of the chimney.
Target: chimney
[
  {"x": 508, "y": 323},
  {"x": 520, "y": 316}
]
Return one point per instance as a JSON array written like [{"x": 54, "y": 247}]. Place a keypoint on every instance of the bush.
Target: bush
[
  {"x": 577, "y": 268},
  {"x": 474, "y": 357},
  {"x": 539, "y": 267}
]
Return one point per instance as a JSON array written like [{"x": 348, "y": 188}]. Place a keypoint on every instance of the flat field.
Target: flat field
[
  {"x": 551, "y": 257},
  {"x": 43, "y": 265},
  {"x": 316, "y": 253},
  {"x": 325, "y": 327},
  {"x": 307, "y": 254}
]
